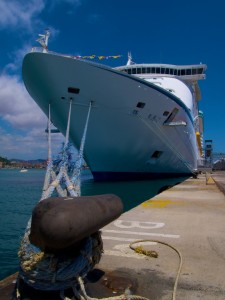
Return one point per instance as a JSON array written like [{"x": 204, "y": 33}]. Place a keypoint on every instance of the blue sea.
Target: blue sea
[{"x": 19, "y": 193}]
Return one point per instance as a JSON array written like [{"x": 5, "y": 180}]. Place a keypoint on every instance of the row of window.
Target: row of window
[{"x": 157, "y": 70}]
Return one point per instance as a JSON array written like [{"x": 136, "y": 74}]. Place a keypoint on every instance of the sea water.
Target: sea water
[{"x": 19, "y": 193}]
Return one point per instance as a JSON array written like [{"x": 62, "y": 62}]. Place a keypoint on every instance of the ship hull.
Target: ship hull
[{"x": 128, "y": 136}]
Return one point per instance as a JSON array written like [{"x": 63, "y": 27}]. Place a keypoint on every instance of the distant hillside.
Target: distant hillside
[
  {"x": 5, "y": 160},
  {"x": 31, "y": 161}
]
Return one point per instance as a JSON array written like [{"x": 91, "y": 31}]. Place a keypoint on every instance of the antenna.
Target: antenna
[
  {"x": 43, "y": 40},
  {"x": 130, "y": 62}
]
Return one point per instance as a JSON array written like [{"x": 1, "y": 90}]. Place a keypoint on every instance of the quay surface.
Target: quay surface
[{"x": 190, "y": 216}]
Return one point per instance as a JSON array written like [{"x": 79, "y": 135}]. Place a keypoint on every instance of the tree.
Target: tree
[{"x": 4, "y": 160}]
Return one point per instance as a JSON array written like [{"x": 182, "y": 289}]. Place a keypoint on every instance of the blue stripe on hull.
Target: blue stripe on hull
[{"x": 125, "y": 176}]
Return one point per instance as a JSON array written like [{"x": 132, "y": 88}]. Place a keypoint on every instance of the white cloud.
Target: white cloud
[
  {"x": 16, "y": 106},
  {"x": 21, "y": 112},
  {"x": 32, "y": 145},
  {"x": 15, "y": 13},
  {"x": 17, "y": 58}
]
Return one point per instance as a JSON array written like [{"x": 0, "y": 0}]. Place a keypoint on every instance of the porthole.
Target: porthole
[
  {"x": 140, "y": 105},
  {"x": 156, "y": 154}
]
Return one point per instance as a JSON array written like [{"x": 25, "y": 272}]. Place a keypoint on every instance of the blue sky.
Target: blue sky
[{"x": 174, "y": 32}]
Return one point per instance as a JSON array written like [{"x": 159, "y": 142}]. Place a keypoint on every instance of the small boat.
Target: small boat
[{"x": 23, "y": 170}]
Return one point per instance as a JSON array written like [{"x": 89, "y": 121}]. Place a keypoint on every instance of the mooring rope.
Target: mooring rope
[
  {"x": 153, "y": 255},
  {"x": 78, "y": 166},
  {"x": 52, "y": 180},
  {"x": 46, "y": 271},
  {"x": 127, "y": 295}
]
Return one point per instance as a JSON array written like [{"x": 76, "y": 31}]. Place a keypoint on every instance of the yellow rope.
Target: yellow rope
[
  {"x": 127, "y": 295},
  {"x": 170, "y": 246}
]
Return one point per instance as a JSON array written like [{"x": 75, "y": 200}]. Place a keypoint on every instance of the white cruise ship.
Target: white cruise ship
[{"x": 144, "y": 121}]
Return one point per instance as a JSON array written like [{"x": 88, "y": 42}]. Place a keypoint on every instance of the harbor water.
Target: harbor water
[{"x": 19, "y": 192}]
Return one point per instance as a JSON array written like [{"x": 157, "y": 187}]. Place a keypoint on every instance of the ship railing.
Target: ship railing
[{"x": 39, "y": 49}]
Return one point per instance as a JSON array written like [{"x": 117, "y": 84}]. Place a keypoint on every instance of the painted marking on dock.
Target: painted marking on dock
[
  {"x": 138, "y": 224},
  {"x": 175, "y": 236},
  {"x": 121, "y": 254},
  {"x": 113, "y": 238},
  {"x": 122, "y": 227},
  {"x": 160, "y": 203},
  {"x": 210, "y": 180},
  {"x": 156, "y": 203}
]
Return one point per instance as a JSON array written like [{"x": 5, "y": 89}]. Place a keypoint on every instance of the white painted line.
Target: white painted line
[
  {"x": 175, "y": 236},
  {"x": 113, "y": 238},
  {"x": 138, "y": 224},
  {"x": 121, "y": 254}
]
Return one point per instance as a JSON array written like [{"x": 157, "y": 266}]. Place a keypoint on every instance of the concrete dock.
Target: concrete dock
[{"x": 190, "y": 217}]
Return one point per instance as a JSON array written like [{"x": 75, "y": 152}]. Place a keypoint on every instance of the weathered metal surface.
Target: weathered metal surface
[{"x": 59, "y": 223}]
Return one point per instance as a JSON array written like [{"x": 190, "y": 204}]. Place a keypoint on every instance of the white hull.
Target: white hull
[{"x": 123, "y": 140}]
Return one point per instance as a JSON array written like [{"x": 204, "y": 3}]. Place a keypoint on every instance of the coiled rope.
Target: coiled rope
[{"x": 46, "y": 271}]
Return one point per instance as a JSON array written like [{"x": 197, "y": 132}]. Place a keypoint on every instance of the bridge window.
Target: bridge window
[
  {"x": 200, "y": 70},
  {"x": 188, "y": 72},
  {"x": 134, "y": 71}
]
